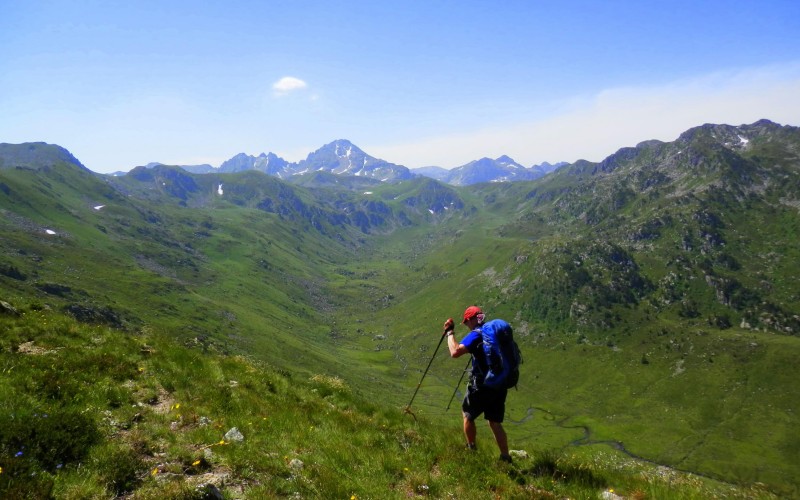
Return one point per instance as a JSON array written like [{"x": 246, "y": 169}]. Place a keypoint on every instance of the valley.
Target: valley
[{"x": 653, "y": 294}]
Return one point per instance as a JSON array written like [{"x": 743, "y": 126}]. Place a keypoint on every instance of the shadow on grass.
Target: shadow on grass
[{"x": 552, "y": 465}]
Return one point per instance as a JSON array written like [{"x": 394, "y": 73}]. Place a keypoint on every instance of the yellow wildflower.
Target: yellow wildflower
[
  {"x": 196, "y": 462},
  {"x": 155, "y": 471}
]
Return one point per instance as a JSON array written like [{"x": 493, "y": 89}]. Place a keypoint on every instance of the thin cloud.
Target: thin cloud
[
  {"x": 288, "y": 84},
  {"x": 595, "y": 126}
]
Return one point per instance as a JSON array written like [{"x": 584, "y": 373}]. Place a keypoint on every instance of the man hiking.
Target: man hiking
[{"x": 491, "y": 402}]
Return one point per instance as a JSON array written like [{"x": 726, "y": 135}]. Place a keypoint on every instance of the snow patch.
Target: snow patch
[
  {"x": 367, "y": 192},
  {"x": 431, "y": 211},
  {"x": 743, "y": 140},
  {"x": 99, "y": 207},
  {"x": 219, "y": 190},
  {"x": 49, "y": 231}
]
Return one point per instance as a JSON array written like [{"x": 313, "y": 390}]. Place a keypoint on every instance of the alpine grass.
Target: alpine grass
[{"x": 94, "y": 412}]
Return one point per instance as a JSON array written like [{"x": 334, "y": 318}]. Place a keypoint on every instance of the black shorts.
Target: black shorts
[{"x": 490, "y": 402}]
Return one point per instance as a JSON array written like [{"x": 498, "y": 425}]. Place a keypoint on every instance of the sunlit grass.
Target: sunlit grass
[{"x": 137, "y": 414}]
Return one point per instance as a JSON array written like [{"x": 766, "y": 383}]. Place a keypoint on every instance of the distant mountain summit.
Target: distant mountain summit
[
  {"x": 269, "y": 163},
  {"x": 502, "y": 169},
  {"x": 545, "y": 168},
  {"x": 205, "y": 168},
  {"x": 240, "y": 163},
  {"x": 438, "y": 173},
  {"x": 342, "y": 157},
  {"x": 488, "y": 170}
]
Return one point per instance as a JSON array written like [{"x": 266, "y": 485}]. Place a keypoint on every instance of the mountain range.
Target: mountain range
[
  {"x": 341, "y": 157},
  {"x": 653, "y": 294}
]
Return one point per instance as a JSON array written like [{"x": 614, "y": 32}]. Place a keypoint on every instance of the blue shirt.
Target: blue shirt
[{"x": 474, "y": 344}]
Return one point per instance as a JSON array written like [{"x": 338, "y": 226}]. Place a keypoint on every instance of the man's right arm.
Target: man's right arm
[{"x": 456, "y": 349}]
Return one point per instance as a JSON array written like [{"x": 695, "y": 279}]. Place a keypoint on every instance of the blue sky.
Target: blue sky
[{"x": 122, "y": 84}]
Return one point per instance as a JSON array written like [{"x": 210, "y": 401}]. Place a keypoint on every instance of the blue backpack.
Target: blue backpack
[{"x": 502, "y": 355}]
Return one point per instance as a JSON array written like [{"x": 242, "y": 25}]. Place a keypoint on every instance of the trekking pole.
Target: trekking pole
[
  {"x": 408, "y": 406},
  {"x": 458, "y": 385}
]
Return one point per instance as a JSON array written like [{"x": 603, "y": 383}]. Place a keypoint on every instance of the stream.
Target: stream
[{"x": 585, "y": 440}]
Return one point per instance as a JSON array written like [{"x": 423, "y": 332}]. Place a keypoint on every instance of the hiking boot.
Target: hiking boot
[
  {"x": 472, "y": 446},
  {"x": 505, "y": 458}
]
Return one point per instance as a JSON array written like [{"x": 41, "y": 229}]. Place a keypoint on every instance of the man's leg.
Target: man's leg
[
  {"x": 470, "y": 431},
  {"x": 500, "y": 437}
]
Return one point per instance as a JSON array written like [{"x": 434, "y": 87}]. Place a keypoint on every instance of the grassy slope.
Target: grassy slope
[
  {"x": 225, "y": 275},
  {"x": 89, "y": 412}
]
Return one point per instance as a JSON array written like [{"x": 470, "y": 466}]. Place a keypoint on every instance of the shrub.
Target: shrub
[
  {"x": 118, "y": 466},
  {"x": 51, "y": 440},
  {"x": 22, "y": 478}
]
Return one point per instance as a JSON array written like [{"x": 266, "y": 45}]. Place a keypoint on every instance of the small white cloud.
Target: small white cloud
[{"x": 288, "y": 84}]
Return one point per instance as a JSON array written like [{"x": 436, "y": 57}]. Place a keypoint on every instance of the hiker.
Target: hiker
[{"x": 479, "y": 399}]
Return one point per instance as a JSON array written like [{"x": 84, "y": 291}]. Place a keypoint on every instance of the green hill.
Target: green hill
[{"x": 652, "y": 295}]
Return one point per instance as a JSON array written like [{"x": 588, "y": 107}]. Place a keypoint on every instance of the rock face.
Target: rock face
[{"x": 8, "y": 309}]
